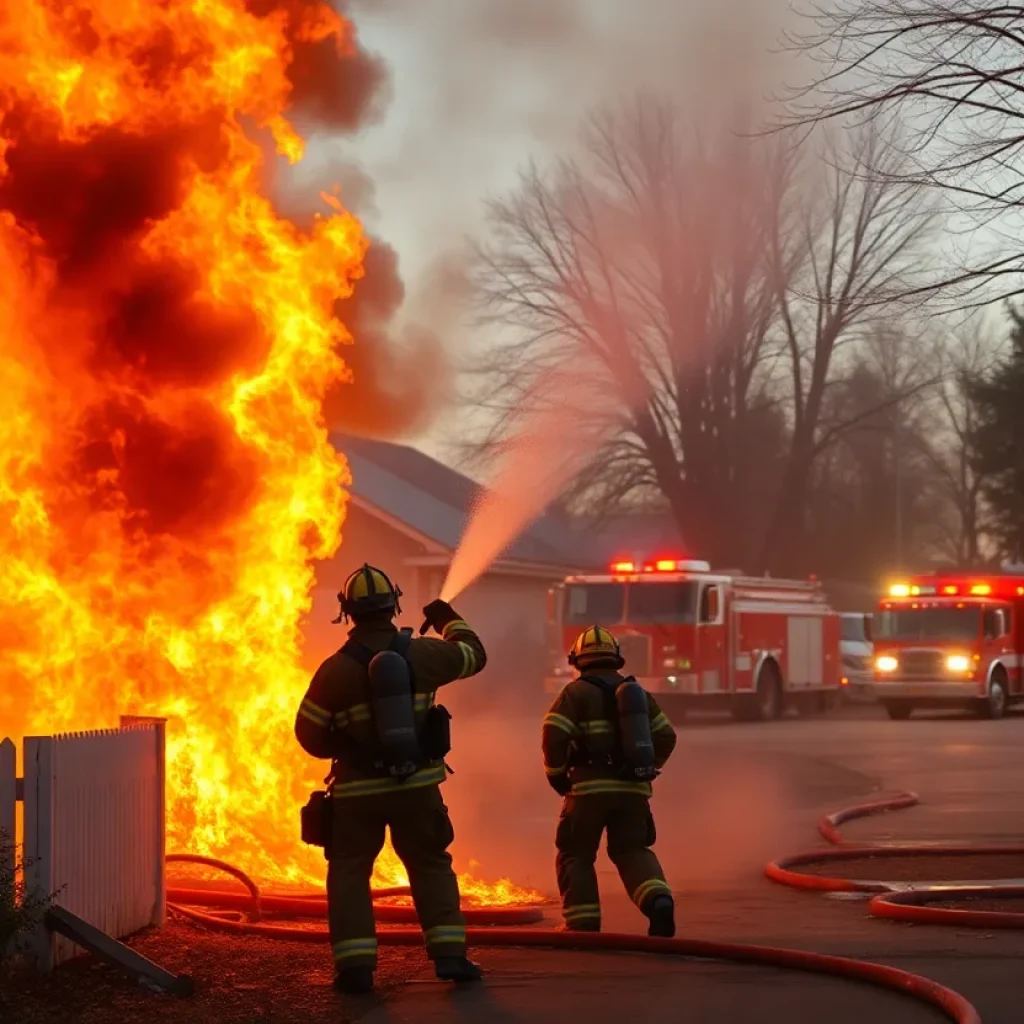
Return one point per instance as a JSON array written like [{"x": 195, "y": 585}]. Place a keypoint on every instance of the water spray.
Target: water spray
[{"x": 565, "y": 421}]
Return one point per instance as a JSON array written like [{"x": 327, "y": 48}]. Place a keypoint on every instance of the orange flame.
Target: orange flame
[{"x": 167, "y": 341}]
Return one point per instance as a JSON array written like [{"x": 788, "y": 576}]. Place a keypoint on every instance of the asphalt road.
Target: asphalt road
[{"x": 735, "y": 796}]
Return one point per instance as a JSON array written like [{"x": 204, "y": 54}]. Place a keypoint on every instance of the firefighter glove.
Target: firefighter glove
[
  {"x": 438, "y": 614},
  {"x": 560, "y": 783}
]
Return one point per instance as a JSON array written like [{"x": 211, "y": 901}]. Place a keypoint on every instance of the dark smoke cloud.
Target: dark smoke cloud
[
  {"x": 399, "y": 375},
  {"x": 341, "y": 94}
]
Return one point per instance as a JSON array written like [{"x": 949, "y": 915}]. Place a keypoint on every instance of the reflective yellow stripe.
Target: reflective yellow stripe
[
  {"x": 454, "y": 625},
  {"x": 597, "y": 726},
  {"x": 445, "y": 934},
  {"x": 354, "y": 947},
  {"x": 314, "y": 713},
  {"x": 468, "y": 660},
  {"x": 649, "y": 888},
  {"x": 582, "y": 912},
  {"x": 367, "y": 787},
  {"x": 593, "y": 786},
  {"x": 660, "y": 722},
  {"x": 422, "y": 701},
  {"x": 359, "y": 713},
  {"x": 548, "y": 770},
  {"x": 561, "y": 722},
  {"x": 341, "y": 719}
]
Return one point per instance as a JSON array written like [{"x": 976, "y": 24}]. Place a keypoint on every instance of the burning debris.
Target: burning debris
[{"x": 168, "y": 342}]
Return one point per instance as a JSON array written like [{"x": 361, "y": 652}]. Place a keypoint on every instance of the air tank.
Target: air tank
[
  {"x": 635, "y": 729},
  {"x": 391, "y": 697}
]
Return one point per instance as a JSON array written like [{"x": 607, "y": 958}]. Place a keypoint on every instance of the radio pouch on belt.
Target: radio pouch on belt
[{"x": 315, "y": 818}]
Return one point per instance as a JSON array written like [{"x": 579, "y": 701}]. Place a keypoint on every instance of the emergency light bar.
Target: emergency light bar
[
  {"x": 677, "y": 565},
  {"x": 999, "y": 587},
  {"x": 661, "y": 565}
]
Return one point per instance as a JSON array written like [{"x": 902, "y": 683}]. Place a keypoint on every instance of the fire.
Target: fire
[{"x": 167, "y": 342}]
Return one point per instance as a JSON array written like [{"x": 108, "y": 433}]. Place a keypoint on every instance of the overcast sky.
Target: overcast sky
[{"x": 480, "y": 85}]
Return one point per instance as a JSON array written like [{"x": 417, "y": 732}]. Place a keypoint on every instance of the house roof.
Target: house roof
[{"x": 434, "y": 500}]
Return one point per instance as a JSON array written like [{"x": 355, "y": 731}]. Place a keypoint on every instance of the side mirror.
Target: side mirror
[{"x": 990, "y": 625}]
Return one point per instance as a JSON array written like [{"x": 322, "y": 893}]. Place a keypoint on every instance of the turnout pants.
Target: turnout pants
[
  {"x": 630, "y": 825},
  {"x": 421, "y": 833}
]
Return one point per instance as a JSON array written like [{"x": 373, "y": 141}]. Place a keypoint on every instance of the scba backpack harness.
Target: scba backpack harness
[{"x": 400, "y": 750}]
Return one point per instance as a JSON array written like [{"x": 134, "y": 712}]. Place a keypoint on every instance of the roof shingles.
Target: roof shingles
[{"x": 435, "y": 501}]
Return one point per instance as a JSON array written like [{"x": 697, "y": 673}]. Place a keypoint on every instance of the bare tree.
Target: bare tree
[
  {"x": 645, "y": 258},
  {"x": 713, "y": 278},
  {"x": 946, "y": 440},
  {"x": 952, "y": 72},
  {"x": 862, "y": 255}
]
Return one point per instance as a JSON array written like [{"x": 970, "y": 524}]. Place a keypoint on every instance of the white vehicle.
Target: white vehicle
[{"x": 856, "y": 652}]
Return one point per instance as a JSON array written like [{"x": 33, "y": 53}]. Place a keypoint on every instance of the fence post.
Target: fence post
[
  {"x": 38, "y": 856},
  {"x": 160, "y": 798},
  {"x": 8, "y": 803},
  {"x": 160, "y": 802}
]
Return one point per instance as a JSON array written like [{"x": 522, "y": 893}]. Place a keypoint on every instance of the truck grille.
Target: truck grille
[
  {"x": 636, "y": 650},
  {"x": 921, "y": 664}
]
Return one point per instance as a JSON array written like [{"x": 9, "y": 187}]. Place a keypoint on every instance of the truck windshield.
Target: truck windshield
[
  {"x": 928, "y": 624},
  {"x": 663, "y": 602},
  {"x": 852, "y": 628},
  {"x": 587, "y": 604}
]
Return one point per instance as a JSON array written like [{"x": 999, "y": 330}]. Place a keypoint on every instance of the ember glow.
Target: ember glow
[{"x": 167, "y": 342}]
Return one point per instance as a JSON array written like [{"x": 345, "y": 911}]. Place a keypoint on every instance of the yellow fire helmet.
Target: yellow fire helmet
[
  {"x": 368, "y": 590},
  {"x": 595, "y": 644}
]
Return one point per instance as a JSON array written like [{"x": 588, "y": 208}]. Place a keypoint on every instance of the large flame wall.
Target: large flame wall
[{"x": 167, "y": 341}]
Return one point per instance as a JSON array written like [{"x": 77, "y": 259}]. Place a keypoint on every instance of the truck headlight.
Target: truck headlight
[
  {"x": 886, "y": 663},
  {"x": 958, "y": 663}
]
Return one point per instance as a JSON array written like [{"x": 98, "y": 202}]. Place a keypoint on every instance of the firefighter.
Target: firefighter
[
  {"x": 604, "y": 740},
  {"x": 345, "y": 717}
]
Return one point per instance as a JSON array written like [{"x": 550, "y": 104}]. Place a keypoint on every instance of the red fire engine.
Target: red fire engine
[
  {"x": 698, "y": 638},
  {"x": 951, "y": 640}
]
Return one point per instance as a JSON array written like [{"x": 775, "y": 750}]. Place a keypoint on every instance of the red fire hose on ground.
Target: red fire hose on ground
[
  {"x": 904, "y": 901},
  {"x": 244, "y": 913}
]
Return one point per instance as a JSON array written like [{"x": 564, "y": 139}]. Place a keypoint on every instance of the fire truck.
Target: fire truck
[
  {"x": 703, "y": 639},
  {"x": 950, "y": 640}
]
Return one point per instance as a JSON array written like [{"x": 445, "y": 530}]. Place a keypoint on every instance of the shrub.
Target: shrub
[{"x": 20, "y": 911}]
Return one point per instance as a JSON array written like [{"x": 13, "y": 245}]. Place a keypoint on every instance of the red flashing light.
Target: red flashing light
[
  {"x": 981, "y": 589},
  {"x": 623, "y": 567},
  {"x": 666, "y": 565},
  {"x": 950, "y": 589}
]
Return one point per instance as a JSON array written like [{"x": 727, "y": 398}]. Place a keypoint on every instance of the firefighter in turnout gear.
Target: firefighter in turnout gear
[
  {"x": 604, "y": 740},
  {"x": 374, "y": 715}
]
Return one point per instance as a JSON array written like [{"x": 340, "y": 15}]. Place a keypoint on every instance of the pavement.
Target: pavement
[{"x": 735, "y": 796}]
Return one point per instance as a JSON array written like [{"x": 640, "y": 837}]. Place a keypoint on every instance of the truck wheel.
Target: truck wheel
[
  {"x": 994, "y": 705},
  {"x": 900, "y": 710},
  {"x": 766, "y": 704}
]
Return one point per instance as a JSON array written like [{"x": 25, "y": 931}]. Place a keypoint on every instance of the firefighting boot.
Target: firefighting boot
[
  {"x": 355, "y": 981},
  {"x": 458, "y": 969},
  {"x": 662, "y": 915}
]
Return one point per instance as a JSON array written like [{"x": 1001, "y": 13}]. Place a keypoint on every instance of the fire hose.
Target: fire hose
[
  {"x": 244, "y": 913},
  {"x": 903, "y": 901}
]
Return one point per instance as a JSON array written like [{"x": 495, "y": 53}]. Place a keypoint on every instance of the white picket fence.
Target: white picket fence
[{"x": 93, "y": 826}]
